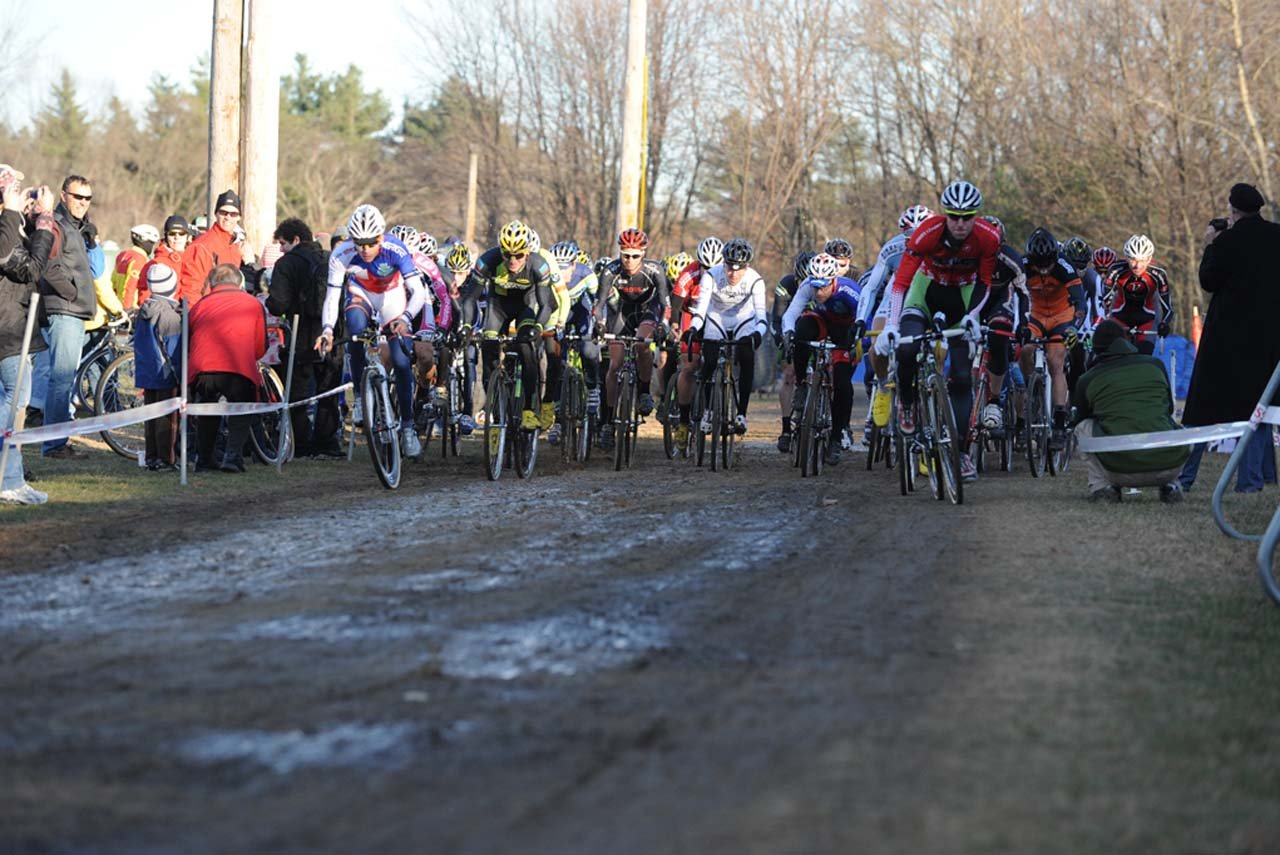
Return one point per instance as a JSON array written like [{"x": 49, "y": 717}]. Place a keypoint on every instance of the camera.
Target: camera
[{"x": 1219, "y": 224}]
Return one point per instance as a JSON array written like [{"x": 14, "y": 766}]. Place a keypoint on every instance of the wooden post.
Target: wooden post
[
  {"x": 630, "y": 177},
  {"x": 261, "y": 126},
  {"x": 473, "y": 179},
  {"x": 224, "y": 100}
]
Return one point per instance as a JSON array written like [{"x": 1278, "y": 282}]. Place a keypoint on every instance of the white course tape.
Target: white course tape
[
  {"x": 97, "y": 424},
  {"x": 1161, "y": 439},
  {"x": 236, "y": 408}
]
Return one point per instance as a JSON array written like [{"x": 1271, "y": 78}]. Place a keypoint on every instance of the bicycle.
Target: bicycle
[
  {"x": 626, "y": 417},
  {"x": 445, "y": 409},
  {"x": 722, "y": 404},
  {"x": 503, "y": 404},
  {"x": 814, "y": 430},
  {"x": 980, "y": 437},
  {"x": 381, "y": 424},
  {"x": 577, "y": 421},
  {"x": 1039, "y": 418},
  {"x": 104, "y": 346},
  {"x": 936, "y": 439},
  {"x": 669, "y": 406}
]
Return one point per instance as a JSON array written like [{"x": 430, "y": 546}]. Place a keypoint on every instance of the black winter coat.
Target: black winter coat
[
  {"x": 22, "y": 262},
  {"x": 297, "y": 287},
  {"x": 1239, "y": 347},
  {"x": 67, "y": 285}
]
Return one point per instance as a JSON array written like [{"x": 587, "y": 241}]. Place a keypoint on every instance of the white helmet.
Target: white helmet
[
  {"x": 535, "y": 242},
  {"x": 961, "y": 197},
  {"x": 427, "y": 244},
  {"x": 710, "y": 251},
  {"x": 1139, "y": 248},
  {"x": 407, "y": 235},
  {"x": 145, "y": 233},
  {"x": 914, "y": 216},
  {"x": 366, "y": 223},
  {"x": 824, "y": 266}
]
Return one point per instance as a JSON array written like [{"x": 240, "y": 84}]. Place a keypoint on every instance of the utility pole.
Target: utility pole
[
  {"x": 473, "y": 179},
  {"x": 224, "y": 100},
  {"x": 630, "y": 175},
  {"x": 261, "y": 126}
]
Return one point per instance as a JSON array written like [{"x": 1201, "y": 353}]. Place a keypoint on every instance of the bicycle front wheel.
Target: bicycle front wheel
[
  {"x": 946, "y": 440},
  {"x": 1037, "y": 426},
  {"x": 380, "y": 430},
  {"x": 495, "y": 426},
  {"x": 271, "y": 435},
  {"x": 622, "y": 420},
  {"x": 729, "y": 401},
  {"x": 670, "y": 419},
  {"x": 717, "y": 416},
  {"x": 117, "y": 390}
]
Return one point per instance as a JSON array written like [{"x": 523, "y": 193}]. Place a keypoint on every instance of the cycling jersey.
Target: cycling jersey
[
  {"x": 968, "y": 264},
  {"x": 882, "y": 273},
  {"x": 535, "y": 280},
  {"x": 390, "y": 285},
  {"x": 579, "y": 281},
  {"x": 1094, "y": 292},
  {"x": 1134, "y": 298},
  {"x": 783, "y": 293},
  {"x": 634, "y": 295},
  {"x": 1054, "y": 294},
  {"x": 442, "y": 317},
  {"x": 729, "y": 310},
  {"x": 840, "y": 309}
]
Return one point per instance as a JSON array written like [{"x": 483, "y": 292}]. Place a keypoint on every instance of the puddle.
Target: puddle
[{"x": 348, "y": 744}]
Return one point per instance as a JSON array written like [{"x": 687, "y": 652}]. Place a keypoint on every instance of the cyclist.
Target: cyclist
[
  {"x": 373, "y": 275},
  {"x": 1095, "y": 286},
  {"x": 130, "y": 261},
  {"x": 436, "y": 311},
  {"x": 1079, "y": 255},
  {"x": 873, "y": 310},
  {"x": 581, "y": 286},
  {"x": 675, "y": 265},
  {"x": 947, "y": 267},
  {"x": 782, "y": 298},
  {"x": 825, "y": 308},
  {"x": 1057, "y": 310},
  {"x": 730, "y": 305},
  {"x": 710, "y": 253},
  {"x": 1005, "y": 313},
  {"x": 462, "y": 285},
  {"x": 842, "y": 251},
  {"x": 517, "y": 287},
  {"x": 633, "y": 301},
  {"x": 1138, "y": 293}
]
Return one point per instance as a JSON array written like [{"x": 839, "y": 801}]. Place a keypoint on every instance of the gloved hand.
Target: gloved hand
[
  {"x": 755, "y": 339},
  {"x": 689, "y": 336},
  {"x": 1162, "y": 329},
  {"x": 886, "y": 341},
  {"x": 972, "y": 329},
  {"x": 1024, "y": 334},
  {"x": 1070, "y": 337},
  {"x": 777, "y": 340},
  {"x": 859, "y": 329}
]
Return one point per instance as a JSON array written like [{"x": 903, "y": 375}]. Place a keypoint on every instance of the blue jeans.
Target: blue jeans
[
  {"x": 66, "y": 341},
  {"x": 400, "y": 346},
  {"x": 11, "y": 478},
  {"x": 1258, "y": 464}
]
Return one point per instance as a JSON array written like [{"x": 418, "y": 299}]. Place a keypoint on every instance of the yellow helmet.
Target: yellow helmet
[
  {"x": 514, "y": 237},
  {"x": 459, "y": 258},
  {"x": 583, "y": 258},
  {"x": 678, "y": 262}
]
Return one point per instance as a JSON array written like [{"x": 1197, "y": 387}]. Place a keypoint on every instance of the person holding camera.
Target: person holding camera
[{"x": 1239, "y": 348}]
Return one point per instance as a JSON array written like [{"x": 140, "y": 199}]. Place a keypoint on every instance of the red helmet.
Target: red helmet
[
  {"x": 633, "y": 239},
  {"x": 1103, "y": 257}
]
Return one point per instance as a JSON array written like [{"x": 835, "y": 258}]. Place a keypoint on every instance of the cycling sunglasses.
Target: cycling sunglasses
[
  {"x": 633, "y": 255},
  {"x": 514, "y": 255},
  {"x": 954, "y": 216},
  {"x": 365, "y": 242}
]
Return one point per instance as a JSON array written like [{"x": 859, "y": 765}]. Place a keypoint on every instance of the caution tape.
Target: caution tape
[
  {"x": 147, "y": 412},
  {"x": 1162, "y": 439}
]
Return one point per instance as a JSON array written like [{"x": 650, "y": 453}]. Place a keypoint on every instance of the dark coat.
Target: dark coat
[
  {"x": 297, "y": 287},
  {"x": 22, "y": 262},
  {"x": 1239, "y": 347},
  {"x": 67, "y": 285}
]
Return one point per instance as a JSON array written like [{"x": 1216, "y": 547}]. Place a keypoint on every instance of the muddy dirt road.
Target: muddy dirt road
[{"x": 662, "y": 660}]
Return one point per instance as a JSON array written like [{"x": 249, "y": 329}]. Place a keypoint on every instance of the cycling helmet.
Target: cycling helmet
[
  {"x": 824, "y": 266},
  {"x": 583, "y": 258},
  {"x": 144, "y": 234},
  {"x": 366, "y": 223},
  {"x": 677, "y": 263},
  {"x": 1139, "y": 247},
  {"x": 427, "y": 244},
  {"x": 1042, "y": 247},
  {"x": 710, "y": 251},
  {"x": 839, "y": 247},
  {"x": 1077, "y": 251},
  {"x": 407, "y": 235},
  {"x": 961, "y": 198},
  {"x": 459, "y": 258},
  {"x": 514, "y": 237},
  {"x": 1103, "y": 257},
  {"x": 995, "y": 221},
  {"x": 738, "y": 251},
  {"x": 633, "y": 239},
  {"x": 914, "y": 216},
  {"x": 565, "y": 253},
  {"x": 601, "y": 263},
  {"x": 535, "y": 242},
  {"x": 800, "y": 266}
]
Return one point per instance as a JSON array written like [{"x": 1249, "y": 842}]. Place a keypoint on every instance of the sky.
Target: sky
[{"x": 116, "y": 46}]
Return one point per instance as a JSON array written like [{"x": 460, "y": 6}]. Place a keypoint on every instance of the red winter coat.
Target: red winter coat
[
  {"x": 169, "y": 258},
  {"x": 212, "y": 248},
  {"x": 228, "y": 333}
]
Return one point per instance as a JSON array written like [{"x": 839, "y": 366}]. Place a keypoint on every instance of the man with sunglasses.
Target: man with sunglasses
[
  {"x": 173, "y": 243},
  {"x": 373, "y": 275},
  {"x": 947, "y": 268},
  {"x": 216, "y": 246},
  {"x": 1138, "y": 294},
  {"x": 633, "y": 301}
]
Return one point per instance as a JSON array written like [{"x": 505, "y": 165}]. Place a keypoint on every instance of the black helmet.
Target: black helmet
[
  {"x": 1078, "y": 252},
  {"x": 738, "y": 251},
  {"x": 801, "y": 265},
  {"x": 839, "y": 247},
  {"x": 1042, "y": 246}
]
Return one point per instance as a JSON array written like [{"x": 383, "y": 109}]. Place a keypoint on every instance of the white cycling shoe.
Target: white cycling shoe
[
  {"x": 992, "y": 417},
  {"x": 410, "y": 446}
]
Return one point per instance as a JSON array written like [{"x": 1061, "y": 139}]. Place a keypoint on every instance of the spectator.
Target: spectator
[
  {"x": 129, "y": 264},
  {"x": 23, "y": 257},
  {"x": 216, "y": 246},
  {"x": 298, "y": 287},
  {"x": 169, "y": 251},
  {"x": 70, "y": 299},
  {"x": 228, "y": 336},
  {"x": 1238, "y": 349},
  {"x": 157, "y": 340},
  {"x": 1126, "y": 392}
]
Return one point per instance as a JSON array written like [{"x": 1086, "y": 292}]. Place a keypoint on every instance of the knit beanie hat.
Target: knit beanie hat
[
  {"x": 161, "y": 280},
  {"x": 1105, "y": 335},
  {"x": 1246, "y": 198}
]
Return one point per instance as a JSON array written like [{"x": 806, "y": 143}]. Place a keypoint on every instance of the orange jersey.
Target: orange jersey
[{"x": 1052, "y": 293}]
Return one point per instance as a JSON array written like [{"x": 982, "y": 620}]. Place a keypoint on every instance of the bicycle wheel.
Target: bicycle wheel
[
  {"x": 88, "y": 374},
  {"x": 271, "y": 434},
  {"x": 717, "y": 416},
  {"x": 380, "y": 430},
  {"x": 670, "y": 415},
  {"x": 947, "y": 440},
  {"x": 1009, "y": 432},
  {"x": 700, "y": 440},
  {"x": 117, "y": 390},
  {"x": 1037, "y": 422},
  {"x": 586, "y": 430},
  {"x": 823, "y": 432},
  {"x": 729, "y": 401},
  {"x": 495, "y": 425},
  {"x": 805, "y": 430},
  {"x": 622, "y": 418}
]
